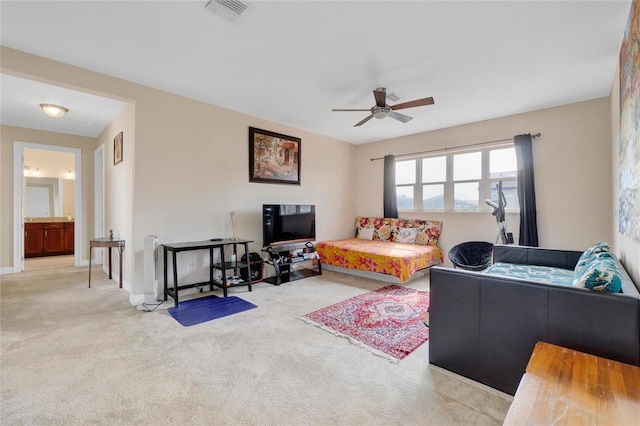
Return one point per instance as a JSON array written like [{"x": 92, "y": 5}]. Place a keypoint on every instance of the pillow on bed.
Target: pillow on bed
[
  {"x": 429, "y": 233},
  {"x": 428, "y": 230},
  {"x": 406, "y": 235},
  {"x": 365, "y": 234},
  {"x": 381, "y": 226}
]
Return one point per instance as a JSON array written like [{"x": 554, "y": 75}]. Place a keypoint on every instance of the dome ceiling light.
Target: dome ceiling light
[{"x": 55, "y": 111}]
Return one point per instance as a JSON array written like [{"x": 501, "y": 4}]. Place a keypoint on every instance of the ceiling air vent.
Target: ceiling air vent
[{"x": 228, "y": 9}]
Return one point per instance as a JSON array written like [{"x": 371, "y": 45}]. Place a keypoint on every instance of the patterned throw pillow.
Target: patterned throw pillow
[
  {"x": 601, "y": 274},
  {"x": 383, "y": 231},
  {"x": 406, "y": 235},
  {"x": 361, "y": 222},
  {"x": 381, "y": 227},
  {"x": 588, "y": 256},
  {"x": 429, "y": 232}
]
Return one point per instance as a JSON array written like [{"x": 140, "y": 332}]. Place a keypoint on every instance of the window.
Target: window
[
  {"x": 459, "y": 181},
  {"x": 503, "y": 167},
  {"x": 467, "y": 173},
  {"x": 434, "y": 176}
]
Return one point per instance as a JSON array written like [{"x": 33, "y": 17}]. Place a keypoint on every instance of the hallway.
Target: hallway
[{"x": 48, "y": 262}]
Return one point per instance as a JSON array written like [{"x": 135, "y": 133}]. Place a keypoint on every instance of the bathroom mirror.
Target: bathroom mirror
[{"x": 49, "y": 197}]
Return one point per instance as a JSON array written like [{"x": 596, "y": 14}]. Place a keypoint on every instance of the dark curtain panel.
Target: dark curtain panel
[
  {"x": 526, "y": 191},
  {"x": 389, "y": 192}
]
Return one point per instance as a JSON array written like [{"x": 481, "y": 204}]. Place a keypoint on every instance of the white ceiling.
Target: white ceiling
[
  {"x": 293, "y": 61},
  {"x": 20, "y": 103}
]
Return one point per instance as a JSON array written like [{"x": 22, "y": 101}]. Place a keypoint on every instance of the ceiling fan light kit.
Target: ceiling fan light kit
[{"x": 382, "y": 110}]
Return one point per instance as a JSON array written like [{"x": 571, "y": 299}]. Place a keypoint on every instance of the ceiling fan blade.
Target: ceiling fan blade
[
  {"x": 364, "y": 121},
  {"x": 368, "y": 109},
  {"x": 400, "y": 117},
  {"x": 381, "y": 96},
  {"x": 416, "y": 103}
]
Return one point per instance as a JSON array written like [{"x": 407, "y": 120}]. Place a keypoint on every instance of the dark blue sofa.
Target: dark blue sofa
[{"x": 485, "y": 327}]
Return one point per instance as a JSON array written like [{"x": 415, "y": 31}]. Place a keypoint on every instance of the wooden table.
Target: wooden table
[
  {"x": 109, "y": 243},
  {"x": 566, "y": 387}
]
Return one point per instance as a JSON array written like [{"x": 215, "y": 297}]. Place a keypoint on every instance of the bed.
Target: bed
[{"x": 388, "y": 249}]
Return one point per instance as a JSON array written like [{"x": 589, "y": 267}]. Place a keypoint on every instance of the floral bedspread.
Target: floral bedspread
[{"x": 385, "y": 257}]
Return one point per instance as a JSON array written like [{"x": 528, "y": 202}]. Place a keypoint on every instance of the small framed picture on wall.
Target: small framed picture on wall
[{"x": 117, "y": 149}]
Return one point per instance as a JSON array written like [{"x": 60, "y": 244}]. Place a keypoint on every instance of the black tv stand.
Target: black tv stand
[{"x": 282, "y": 262}]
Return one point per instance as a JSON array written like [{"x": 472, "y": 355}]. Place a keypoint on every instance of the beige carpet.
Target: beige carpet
[{"x": 74, "y": 355}]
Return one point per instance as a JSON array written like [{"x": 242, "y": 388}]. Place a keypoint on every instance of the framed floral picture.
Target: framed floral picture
[{"x": 273, "y": 157}]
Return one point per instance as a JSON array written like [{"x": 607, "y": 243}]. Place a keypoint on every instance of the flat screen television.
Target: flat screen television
[{"x": 288, "y": 223}]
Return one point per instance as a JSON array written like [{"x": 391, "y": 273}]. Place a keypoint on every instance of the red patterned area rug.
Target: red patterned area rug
[{"x": 387, "y": 321}]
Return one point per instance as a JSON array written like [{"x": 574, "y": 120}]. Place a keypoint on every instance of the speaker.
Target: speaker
[{"x": 256, "y": 267}]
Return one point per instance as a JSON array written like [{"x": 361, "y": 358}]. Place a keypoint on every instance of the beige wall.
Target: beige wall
[
  {"x": 573, "y": 174},
  {"x": 68, "y": 199},
  {"x": 186, "y": 167},
  {"x": 8, "y": 135},
  {"x": 191, "y": 170},
  {"x": 627, "y": 250}
]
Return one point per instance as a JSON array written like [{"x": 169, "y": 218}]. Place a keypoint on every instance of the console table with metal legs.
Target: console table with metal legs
[{"x": 109, "y": 243}]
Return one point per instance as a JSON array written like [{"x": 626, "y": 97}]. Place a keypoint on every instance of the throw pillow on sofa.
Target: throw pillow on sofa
[
  {"x": 589, "y": 255},
  {"x": 601, "y": 274}
]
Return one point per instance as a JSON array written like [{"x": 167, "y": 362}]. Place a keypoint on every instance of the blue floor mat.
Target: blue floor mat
[{"x": 196, "y": 311}]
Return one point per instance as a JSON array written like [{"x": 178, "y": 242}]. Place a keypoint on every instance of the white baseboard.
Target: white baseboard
[
  {"x": 7, "y": 270},
  {"x": 136, "y": 299}
]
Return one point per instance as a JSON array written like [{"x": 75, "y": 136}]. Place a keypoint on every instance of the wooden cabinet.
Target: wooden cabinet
[
  {"x": 68, "y": 237},
  {"x": 48, "y": 239},
  {"x": 53, "y": 238},
  {"x": 33, "y": 239}
]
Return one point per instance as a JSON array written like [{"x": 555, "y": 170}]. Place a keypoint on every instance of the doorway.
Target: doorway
[{"x": 19, "y": 197}]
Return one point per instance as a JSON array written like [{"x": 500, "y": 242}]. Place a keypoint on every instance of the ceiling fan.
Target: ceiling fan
[{"x": 382, "y": 110}]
